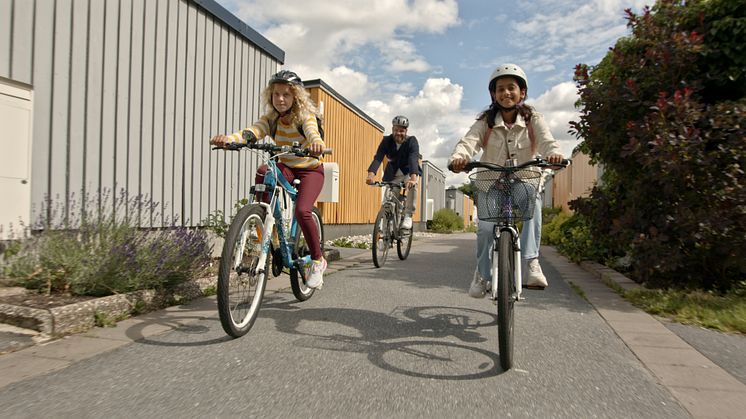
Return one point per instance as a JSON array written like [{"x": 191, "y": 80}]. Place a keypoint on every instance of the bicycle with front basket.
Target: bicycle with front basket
[
  {"x": 249, "y": 247},
  {"x": 387, "y": 228},
  {"x": 505, "y": 195}
]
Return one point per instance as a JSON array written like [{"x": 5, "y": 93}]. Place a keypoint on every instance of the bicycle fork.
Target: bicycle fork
[{"x": 515, "y": 238}]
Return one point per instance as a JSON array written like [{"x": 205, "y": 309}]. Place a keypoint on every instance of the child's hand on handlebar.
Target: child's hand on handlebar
[
  {"x": 316, "y": 149},
  {"x": 555, "y": 158},
  {"x": 370, "y": 179},
  {"x": 221, "y": 141}
]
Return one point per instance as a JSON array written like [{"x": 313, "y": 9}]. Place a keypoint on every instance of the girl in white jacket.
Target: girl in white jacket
[{"x": 508, "y": 129}]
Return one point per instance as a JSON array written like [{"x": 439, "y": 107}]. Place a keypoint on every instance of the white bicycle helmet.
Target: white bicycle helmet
[{"x": 508, "y": 70}]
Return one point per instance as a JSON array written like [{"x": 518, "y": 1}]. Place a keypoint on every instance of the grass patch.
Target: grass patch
[
  {"x": 210, "y": 291},
  {"x": 578, "y": 291},
  {"x": 726, "y": 313},
  {"x": 102, "y": 319}
]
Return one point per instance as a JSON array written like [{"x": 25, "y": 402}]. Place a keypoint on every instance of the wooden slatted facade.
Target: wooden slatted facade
[
  {"x": 354, "y": 136},
  {"x": 574, "y": 182}
]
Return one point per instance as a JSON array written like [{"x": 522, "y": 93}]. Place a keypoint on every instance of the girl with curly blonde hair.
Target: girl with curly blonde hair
[{"x": 291, "y": 117}]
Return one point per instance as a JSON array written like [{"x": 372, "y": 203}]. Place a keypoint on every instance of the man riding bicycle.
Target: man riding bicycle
[{"x": 403, "y": 152}]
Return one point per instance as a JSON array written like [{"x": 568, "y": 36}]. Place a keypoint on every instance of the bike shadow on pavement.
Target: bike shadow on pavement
[
  {"x": 434, "y": 342},
  {"x": 187, "y": 321}
]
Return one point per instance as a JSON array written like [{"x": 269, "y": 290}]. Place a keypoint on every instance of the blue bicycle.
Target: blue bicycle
[{"x": 258, "y": 234}]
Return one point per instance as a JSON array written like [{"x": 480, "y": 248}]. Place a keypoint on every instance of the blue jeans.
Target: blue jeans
[{"x": 530, "y": 241}]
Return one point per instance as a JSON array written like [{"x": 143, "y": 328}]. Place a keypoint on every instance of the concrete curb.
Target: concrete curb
[
  {"x": 81, "y": 316},
  {"x": 701, "y": 386}
]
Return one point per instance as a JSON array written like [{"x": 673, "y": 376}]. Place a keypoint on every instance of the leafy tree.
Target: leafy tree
[
  {"x": 468, "y": 189},
  {"x": 665, "y": 112}
]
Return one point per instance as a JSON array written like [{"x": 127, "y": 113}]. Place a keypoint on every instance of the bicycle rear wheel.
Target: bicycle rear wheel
[
  {"x": 298, "y": 276},
  {"x": 382, "y": 236},
  {"x": 505, "y": 302},
  {"x": 240, "y": 285}
]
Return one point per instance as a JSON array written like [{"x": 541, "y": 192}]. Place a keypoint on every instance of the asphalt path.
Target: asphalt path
[{"x": 401, "y": 341}]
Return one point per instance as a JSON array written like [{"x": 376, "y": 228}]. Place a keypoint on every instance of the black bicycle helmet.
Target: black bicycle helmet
[
  {"x": 401, "y": 121},
  {"x": 287, "y": 77}
]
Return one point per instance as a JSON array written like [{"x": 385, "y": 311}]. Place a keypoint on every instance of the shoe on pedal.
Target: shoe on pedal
[
  {"x": 315, "y": 273},
  {"x": 406, "y": 223},
  {"x": 535, "y": 279},
  {"x": 478, "y": 288}
]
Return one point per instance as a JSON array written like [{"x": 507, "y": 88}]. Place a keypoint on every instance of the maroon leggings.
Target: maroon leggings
[{"x": 311, "y": 182}]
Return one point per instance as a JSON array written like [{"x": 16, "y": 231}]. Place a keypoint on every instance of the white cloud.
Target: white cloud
[
  {"x": 563, "y": 28},
  {"x": 328, "y": 34},
  {"x": 558, "y": 107},
  {"x": 435, "y": 116}
]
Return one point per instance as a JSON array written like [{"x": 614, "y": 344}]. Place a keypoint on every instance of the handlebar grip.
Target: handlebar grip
[
  {"x": 229, "y": 147},
  {"x": 327, "y": 151}
]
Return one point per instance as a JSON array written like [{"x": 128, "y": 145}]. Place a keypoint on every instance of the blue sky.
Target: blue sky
[{"x": 430, "y": 59}]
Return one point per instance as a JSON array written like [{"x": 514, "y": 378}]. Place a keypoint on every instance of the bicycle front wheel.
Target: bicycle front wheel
[
  {"x": 382, "y": 236},
  {"x": 240, "y": 284},
  {"x": 505, "y": 302},
  {"x": 298, "y": 276},
  {"x": 404, "y": 243}
]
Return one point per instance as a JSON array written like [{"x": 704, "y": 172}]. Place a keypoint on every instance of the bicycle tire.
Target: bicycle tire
[
  {"x": 298, "y": 276},
  {"x": 404, "y": 244},
  {"x": 240, "y": 290},
  {"x": 505, "y": 302},
  {"x": 381, "y": 239}
]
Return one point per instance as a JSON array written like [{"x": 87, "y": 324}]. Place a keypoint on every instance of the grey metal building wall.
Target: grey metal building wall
[
  {"x": 127, "y": 94},
  {"x": 455, "y": 200},
  {"x": 433, "y": 187}
]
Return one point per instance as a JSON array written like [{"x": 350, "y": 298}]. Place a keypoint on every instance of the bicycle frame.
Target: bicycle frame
[
  {"x": 393, "y": 204},
  {"x": 516, "y": 240},
  {"x": 280, "y": 190}
]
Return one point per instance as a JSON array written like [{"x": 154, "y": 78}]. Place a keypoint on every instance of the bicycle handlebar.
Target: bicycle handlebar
[
  {"x": 536, "y": 162},
  {"x": 388, "y": 183},
  {"x": 295, "y": 149}
]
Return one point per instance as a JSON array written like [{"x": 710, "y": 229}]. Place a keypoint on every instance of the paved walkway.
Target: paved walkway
[{"x": 702, "y": 387}]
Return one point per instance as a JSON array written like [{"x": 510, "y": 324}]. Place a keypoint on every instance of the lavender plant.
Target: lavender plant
[{"x": 98, "y": 246}]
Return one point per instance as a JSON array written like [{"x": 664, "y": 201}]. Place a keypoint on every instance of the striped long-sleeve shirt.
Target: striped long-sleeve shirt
[{"x": 287, "y": 135}]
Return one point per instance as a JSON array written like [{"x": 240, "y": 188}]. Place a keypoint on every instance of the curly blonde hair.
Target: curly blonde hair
[{"x": 302, "y": 103}]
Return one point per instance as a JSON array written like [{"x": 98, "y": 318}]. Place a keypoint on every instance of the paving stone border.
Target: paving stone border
[{"x": 79, "y": 317}]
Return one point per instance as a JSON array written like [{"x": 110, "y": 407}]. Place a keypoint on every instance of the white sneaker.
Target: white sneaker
[
  {"x": 478, "y": 288},
  {"x": 535, "y": 278},
  {"x": 315, "y": 273},
  {"x": 406, "y": 223}
]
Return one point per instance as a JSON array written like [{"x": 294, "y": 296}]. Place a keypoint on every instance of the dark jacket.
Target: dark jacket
[{"x": 406, "y": 158}]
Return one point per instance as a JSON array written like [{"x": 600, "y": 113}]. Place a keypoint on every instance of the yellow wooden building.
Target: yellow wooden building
[
  {"x": 575, "y": 181},
  {"x": 354, "y": 136}
]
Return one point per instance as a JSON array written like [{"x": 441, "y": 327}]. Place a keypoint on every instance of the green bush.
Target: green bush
[
  {"x": 446, "y": 220},
  {"x": 551, "y": 223},
  {"x": 91, "y": 253},
  {"x": 576, "y": 241},
  {"x": 665, "y": 113}
]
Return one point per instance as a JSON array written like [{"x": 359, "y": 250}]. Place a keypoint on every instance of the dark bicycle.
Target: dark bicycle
[
  {"x": 505, "y": 195},
  {"x": 387, "y": 228}
]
